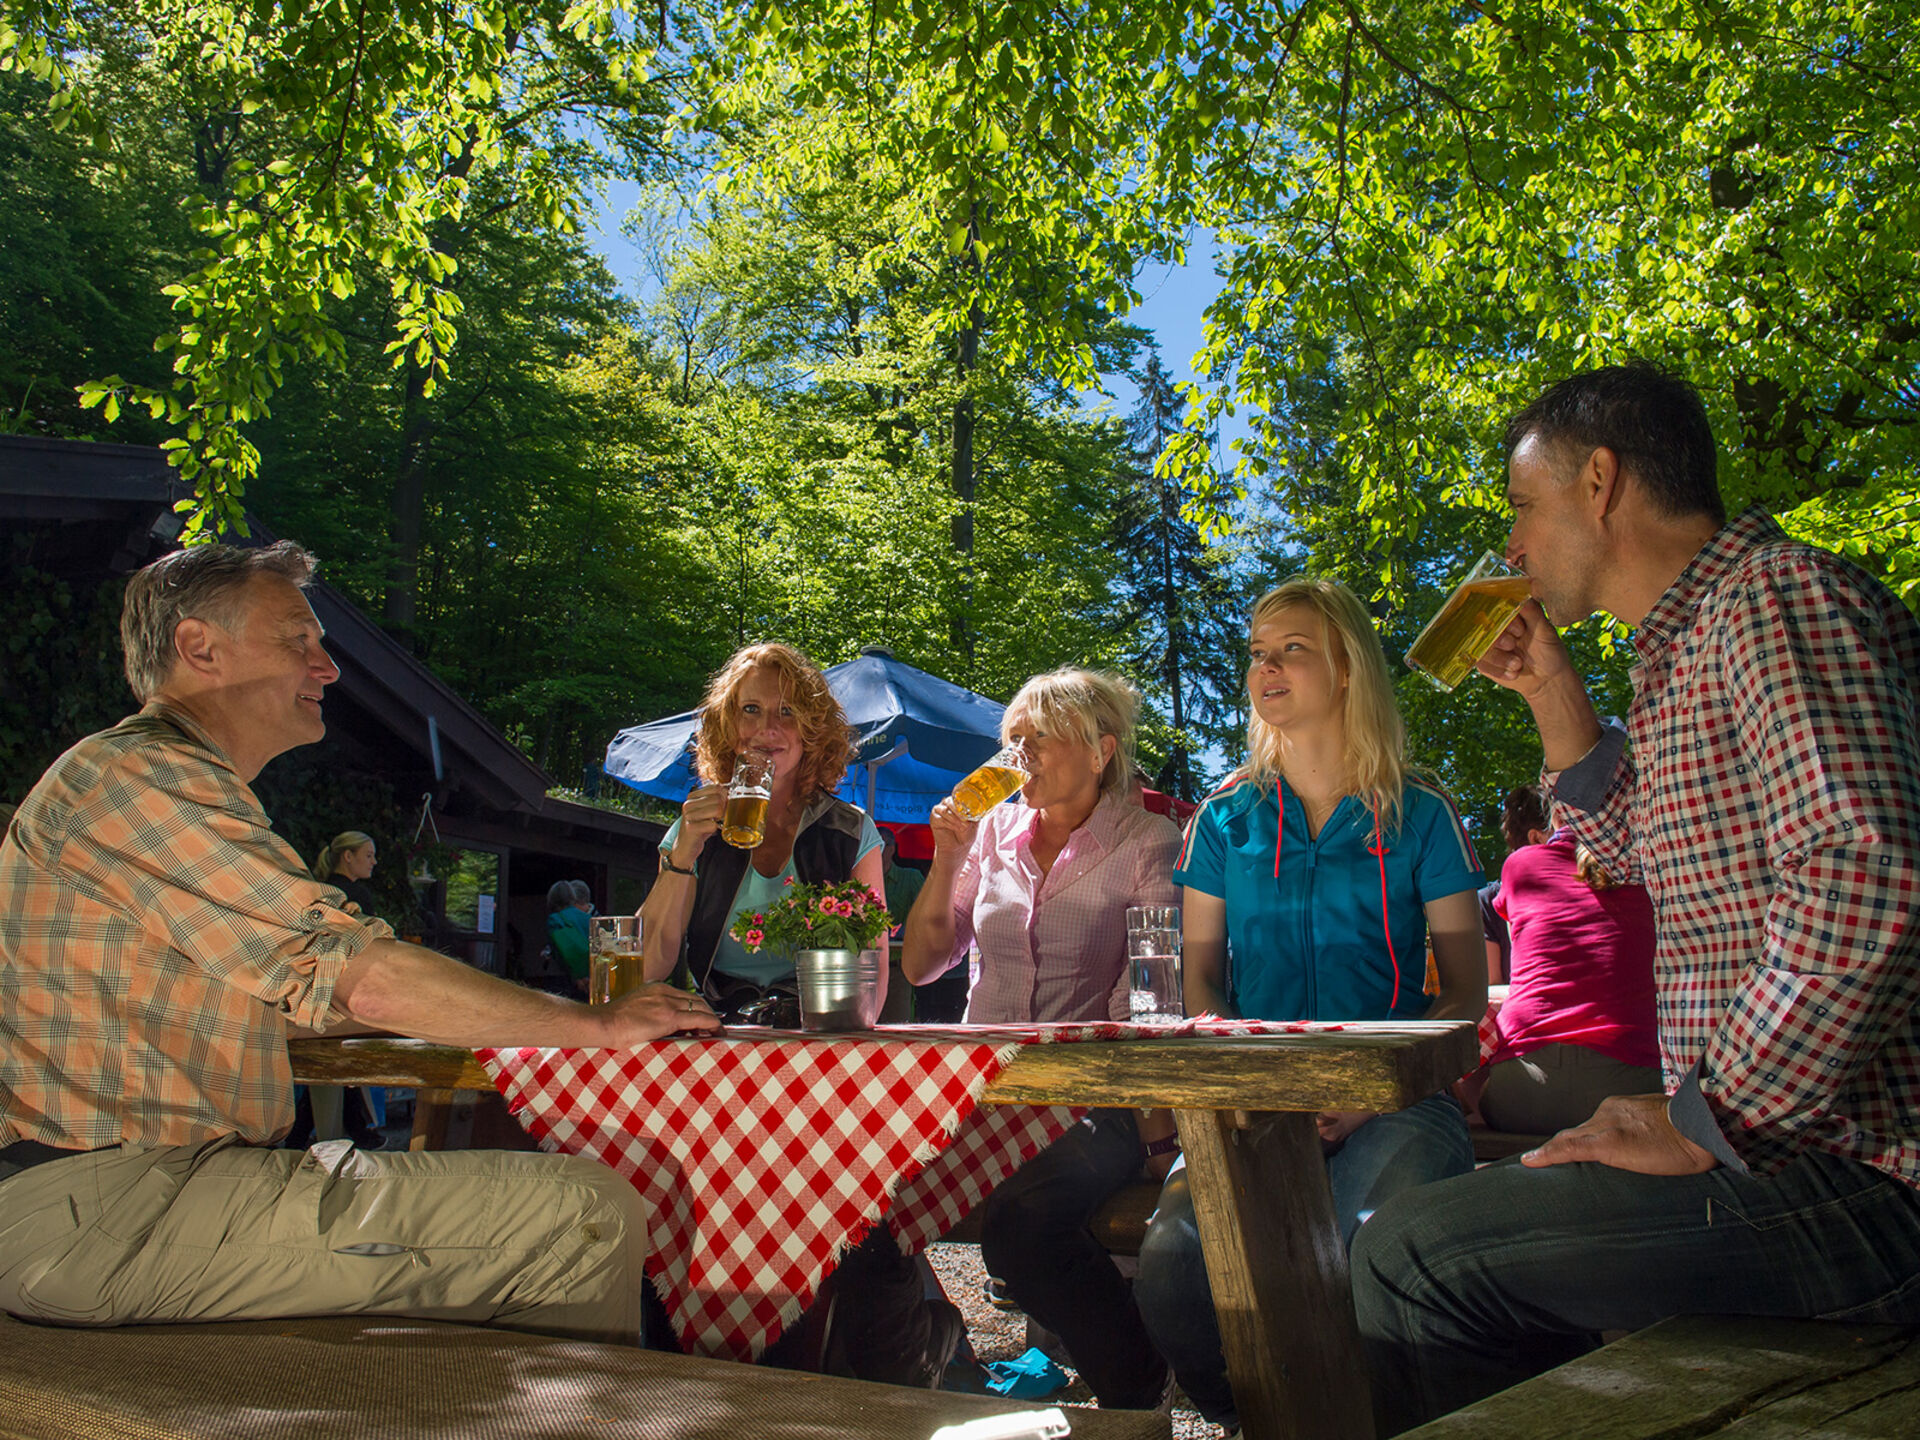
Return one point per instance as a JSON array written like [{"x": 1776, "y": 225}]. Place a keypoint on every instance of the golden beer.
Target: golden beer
[
  {"x": 613, "y": 975},
  {"x": 1467, "y": 624},
  {"x": 744, "y": 825},
  {"x": 986, "y": 787},
  {"x": 614, "y": 964}
]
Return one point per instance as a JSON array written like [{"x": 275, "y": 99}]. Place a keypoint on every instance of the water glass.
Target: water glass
[{"x": 1153, "y": 953}]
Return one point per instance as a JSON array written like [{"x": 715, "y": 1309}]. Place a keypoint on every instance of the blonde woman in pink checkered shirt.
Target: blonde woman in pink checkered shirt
[{"x": 1042, "y": 888}]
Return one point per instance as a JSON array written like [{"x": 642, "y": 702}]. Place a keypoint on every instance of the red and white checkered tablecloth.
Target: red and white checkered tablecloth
[{"x": 763, "y": 1156}]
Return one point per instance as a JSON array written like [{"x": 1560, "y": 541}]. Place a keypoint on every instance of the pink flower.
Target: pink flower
[
  {"x": 755, "y": 937},
  {"x": 790, "y": 880},
  {"x": 826, "y": 905},
  {"x": 759, "y": 919},
  {"x": 843, "y": 908}
]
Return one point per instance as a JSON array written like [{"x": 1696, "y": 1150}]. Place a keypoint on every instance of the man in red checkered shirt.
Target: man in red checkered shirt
[
  {"x": 1766, "y": 791},
  {"x": 156, "y": 941}
]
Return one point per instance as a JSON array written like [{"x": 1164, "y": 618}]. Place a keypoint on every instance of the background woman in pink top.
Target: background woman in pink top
[
  {"x": 1042, "y": 887},
  {"x": 1578, "y": 1022}
]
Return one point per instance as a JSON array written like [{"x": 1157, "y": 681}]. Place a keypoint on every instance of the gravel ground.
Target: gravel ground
[{"x": 1000, "y": 1335}]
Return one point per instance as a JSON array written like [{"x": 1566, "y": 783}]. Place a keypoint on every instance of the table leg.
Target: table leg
[
  {"x": 431, "y": 1111},
  {"x": 1279, "y": 1276}
]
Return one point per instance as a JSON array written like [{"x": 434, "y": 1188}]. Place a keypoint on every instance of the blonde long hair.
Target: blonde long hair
[
  {"x": 1375, "y": 752},
  {"x": 329, "y": 858}
]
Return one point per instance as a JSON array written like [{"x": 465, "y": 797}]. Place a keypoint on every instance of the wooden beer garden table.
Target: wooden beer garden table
[{"x": 1245, "y": 1108}]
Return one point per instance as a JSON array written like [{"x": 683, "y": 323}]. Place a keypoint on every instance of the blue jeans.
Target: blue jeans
[
  {"x": 1034, "y": 1236},
  {"x": 1488, "y": 1279},
  {"x": 1388, "y": 1154}
]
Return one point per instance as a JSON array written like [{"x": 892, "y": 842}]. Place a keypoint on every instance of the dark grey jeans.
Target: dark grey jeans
[{"x": 1472, "y": 1285}]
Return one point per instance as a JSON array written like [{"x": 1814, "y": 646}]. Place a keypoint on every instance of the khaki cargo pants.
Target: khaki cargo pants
[{"x": 222, "y": 1231}]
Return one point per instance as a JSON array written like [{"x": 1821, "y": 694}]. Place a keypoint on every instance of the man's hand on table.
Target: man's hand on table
[
  {"x": 653, "y": 1012},
  {"x": 1627, "y": 1132}
]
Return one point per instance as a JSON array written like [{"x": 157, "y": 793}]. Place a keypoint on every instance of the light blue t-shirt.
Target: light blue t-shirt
[
  {"x": 1311, "y": 943},
  {"x": 755, "y": 894}
]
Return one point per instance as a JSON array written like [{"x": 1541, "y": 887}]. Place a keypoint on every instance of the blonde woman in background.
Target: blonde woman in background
[{"x": 347, "y": 862}]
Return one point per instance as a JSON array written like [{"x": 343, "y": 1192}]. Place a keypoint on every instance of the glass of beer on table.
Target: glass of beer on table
[
  {"x": 1480, "y": 607},
  {"x": 993, "y": 782},
  {"x": 614, "y": 964},
  {"x": 744, "y": 825}
]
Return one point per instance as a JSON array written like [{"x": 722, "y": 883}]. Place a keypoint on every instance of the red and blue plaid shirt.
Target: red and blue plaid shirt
[{"x": 1770, "y": 802}]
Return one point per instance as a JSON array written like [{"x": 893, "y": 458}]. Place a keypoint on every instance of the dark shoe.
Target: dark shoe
[
  {"x": 945, "y": 1330},
  {"x": 996, "y": 1292}
]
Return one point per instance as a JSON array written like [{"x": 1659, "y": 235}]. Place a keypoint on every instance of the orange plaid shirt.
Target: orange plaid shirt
[{"x": 156, "y": 937}]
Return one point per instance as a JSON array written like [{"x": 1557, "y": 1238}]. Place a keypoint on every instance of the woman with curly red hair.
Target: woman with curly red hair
[{"x": 773, "y": 701}]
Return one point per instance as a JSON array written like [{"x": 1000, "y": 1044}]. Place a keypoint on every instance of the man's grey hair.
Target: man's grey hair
[{"x": 204, "y": 582}]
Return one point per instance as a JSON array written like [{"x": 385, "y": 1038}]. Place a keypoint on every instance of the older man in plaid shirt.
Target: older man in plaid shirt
[
  {"x": 1766, "y": 791},
  {"x": 157, "y": 940}
]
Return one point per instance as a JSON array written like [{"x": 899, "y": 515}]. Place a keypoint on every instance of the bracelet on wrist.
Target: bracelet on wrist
[
  {"x": 666, "y": 863},
  {"x": 1165, "y": 1145}
]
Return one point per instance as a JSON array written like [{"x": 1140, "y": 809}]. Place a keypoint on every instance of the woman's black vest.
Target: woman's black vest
[{"x": 824, "y": 850}]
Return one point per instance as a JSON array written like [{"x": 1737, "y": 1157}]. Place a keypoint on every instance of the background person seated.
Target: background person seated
[
  {"x": 569, "y": 908},
  {"x": 1578, "y": 1021},
  {"x": 1523, "y": 821}
]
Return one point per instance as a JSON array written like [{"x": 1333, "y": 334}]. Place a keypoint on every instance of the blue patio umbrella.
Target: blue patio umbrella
[{"x": 915, "y": 736}]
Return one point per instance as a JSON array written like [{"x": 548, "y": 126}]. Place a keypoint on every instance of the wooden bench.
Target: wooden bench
[
  {"x": 1698, "y": 1376},
  {"x": 1498, "y": 1144},
  {"x": 371, "y": 1378}
]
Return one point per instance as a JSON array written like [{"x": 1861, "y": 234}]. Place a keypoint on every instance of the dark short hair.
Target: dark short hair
[
  {"x": 1525, "y": 809},
  {"x": 202, "y": 582},
  {"x": 1651, "y": 419}
]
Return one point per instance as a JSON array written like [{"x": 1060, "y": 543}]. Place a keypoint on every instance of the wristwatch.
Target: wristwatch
[
  {"x": 1165, "y": 1145},
  {"x": 666, "y": 863}
]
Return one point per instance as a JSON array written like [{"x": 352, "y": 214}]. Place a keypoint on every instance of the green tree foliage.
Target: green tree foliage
[
  {"x": 1450, "y": 205},
  {"x": 805, "y": 342},
  {"x": 84, "y": 252},
  {"x": 336, "y": 145},
  {"x": 1185, "y": 604}
]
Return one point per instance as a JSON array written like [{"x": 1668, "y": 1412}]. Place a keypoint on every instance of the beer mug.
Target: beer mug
[
  {"x": 614, "y": 965},
  {"x": 993, "y": 782},
  {"x": 745, "y": 823},
  {"x": 1480, "y": 607}
]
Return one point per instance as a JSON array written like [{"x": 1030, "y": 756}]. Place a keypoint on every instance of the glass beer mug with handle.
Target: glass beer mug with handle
[
  {"x": 614, "y": 963},
  {"x": 1480, "y": 607},
  {"x": 992, "y": 782},
  {"x": 744, "y": 825}
]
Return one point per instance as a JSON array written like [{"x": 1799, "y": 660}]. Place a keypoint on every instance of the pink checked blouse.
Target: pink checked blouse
[{"x": 1056, "y": 949}]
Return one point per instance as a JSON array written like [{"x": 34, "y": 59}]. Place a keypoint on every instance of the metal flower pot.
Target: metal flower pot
[{"x": 839, "y": 989}]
